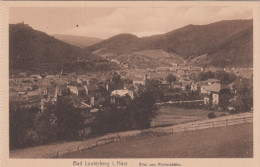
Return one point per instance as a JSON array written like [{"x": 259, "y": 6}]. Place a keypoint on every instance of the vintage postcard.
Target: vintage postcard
[{"x": 130, "y": 84}]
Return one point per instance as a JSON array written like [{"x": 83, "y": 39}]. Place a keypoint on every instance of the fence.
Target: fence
[
  {"x": 181, "y": 101},
  {"x": 177, "y": 128},
  {"x": 83, "y": 147},
  {"x": 208, "y": 124}
]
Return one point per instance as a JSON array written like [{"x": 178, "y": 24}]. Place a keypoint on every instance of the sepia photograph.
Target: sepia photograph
[{"x": 128, "y": 81}]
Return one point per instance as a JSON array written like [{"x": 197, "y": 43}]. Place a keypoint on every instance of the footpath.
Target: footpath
[{"x": 56, "y": 150}]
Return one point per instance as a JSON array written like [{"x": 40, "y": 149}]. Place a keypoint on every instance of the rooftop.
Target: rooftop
[
  {"x": 213, "y": 88},
  {"x": 122, "y": 92},
  {"x": 212, "y": 80}
]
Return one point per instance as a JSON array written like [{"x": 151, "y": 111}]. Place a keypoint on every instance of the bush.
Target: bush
[
  {"x": 233, "y": 112},
  {"x": 222, "y": 115},
  {"x": 212, "y": 115}
]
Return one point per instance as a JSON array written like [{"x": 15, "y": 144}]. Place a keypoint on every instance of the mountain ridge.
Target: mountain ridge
[
  {"x": 188, "y": 42},
  {"x": 33, "y": 50},
  {"x": 224, "y": 44}
]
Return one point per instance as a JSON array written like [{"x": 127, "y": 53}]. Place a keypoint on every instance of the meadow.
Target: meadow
[{"x": 235, "y": 141}]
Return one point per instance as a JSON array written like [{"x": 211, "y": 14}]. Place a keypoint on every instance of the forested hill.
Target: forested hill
[
  {"x": 226, "y": 43},
  {"x": 33, "y": 50}
]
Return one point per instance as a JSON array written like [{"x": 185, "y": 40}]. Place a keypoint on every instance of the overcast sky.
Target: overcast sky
[{"x": 106, "y": 22}]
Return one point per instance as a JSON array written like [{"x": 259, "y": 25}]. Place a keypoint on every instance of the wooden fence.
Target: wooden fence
[
  {"x": 189, "y": 127},
  {"x": 210, "y": 124}
]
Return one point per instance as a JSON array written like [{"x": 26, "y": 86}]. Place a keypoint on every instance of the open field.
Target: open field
[
  {"x": 171, "y": 115},
  {"x": 234, "y": 141}
]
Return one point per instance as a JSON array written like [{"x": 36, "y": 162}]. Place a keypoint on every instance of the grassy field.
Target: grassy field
[
  {"x": 234, "y": 141},
  {"x": 171, "y": 115}
]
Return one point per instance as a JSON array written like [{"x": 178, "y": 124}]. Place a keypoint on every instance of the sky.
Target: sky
[{"x": 104, "y": 22}]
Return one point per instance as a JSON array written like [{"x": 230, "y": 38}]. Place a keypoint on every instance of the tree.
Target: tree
[
  {"x": 153, "y": 86},
  {"x": 244, "y": 90},
  {"x": 143, "y": 110},
  {"x": 116, "y": 78},
  {"x": 93, "y": 81},
  {"x": 225, "y": 95},
  {"x": 21, "y": 121},
  {"x": 43, "y": 128},
  {"x": 135, "y": 115},
  {"x": 205, "y": 75},
  {"x": 211, "y": 115},
  {"x": 224, "y": 77},
  {"x": 35, "y": 87},
  {"x": 242, "y": 86},
  {"x": 116, "y": 82},
  {"x": 69, "y": 119},
  {"x": 170, "y": 78}
]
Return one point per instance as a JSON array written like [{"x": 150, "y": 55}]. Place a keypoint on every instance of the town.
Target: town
[{"x": 215, "y": 89}]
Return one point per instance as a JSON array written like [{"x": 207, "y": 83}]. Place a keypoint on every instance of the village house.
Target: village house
[
  {"x": 181, "y": 71},
  {"x": 212, "y": 69},
  {"x": 197, "y": 86},
  {"x": 203, "y": 85},
  {"x": 82, "y": 79},
  {"x": 48, "y": 92},
  {"x": 140, "y": 81},
  {"x": 21, "y": 90},
  {"x": 165, "y": 83},
  {"x": 217, "y": 95},
  {"x": 121, "y": 97},
  {"x": 174, "y": 64},
  {"x": 163, "y": 69},
  {"x": 13, "y": 95},
  {"x": 45, "y": 82},
  {"x": 196, "y": 68},
  {"x": 115, "y": 61},
  {"x": 193, "y": 87},
  {"x": 203, "y": 88},
  {"x": 51, "y": 94},
  {"x": 77, "y": 90},
  {"x": 35, "y": 77},
  {"x": 73, "y": 89},
  {"x": 212, "y": 94},
  {"x": 62, "y": 90},
  {"x": 21, "y": 80},
  {"x": 50, "y": 77},
  {"x": 91, "y": 91}
]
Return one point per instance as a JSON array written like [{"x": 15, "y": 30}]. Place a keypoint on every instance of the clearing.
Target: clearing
[{"x": 172, "y": 115}]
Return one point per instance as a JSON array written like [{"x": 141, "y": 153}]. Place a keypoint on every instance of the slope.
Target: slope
[
  {"x": 189, "y": 42},
  {"x": 32, "y": 50},
  {"x": 80, "y": 41}
]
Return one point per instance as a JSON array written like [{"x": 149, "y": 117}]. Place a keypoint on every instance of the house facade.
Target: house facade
[{"x": 217, "y": 95}]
